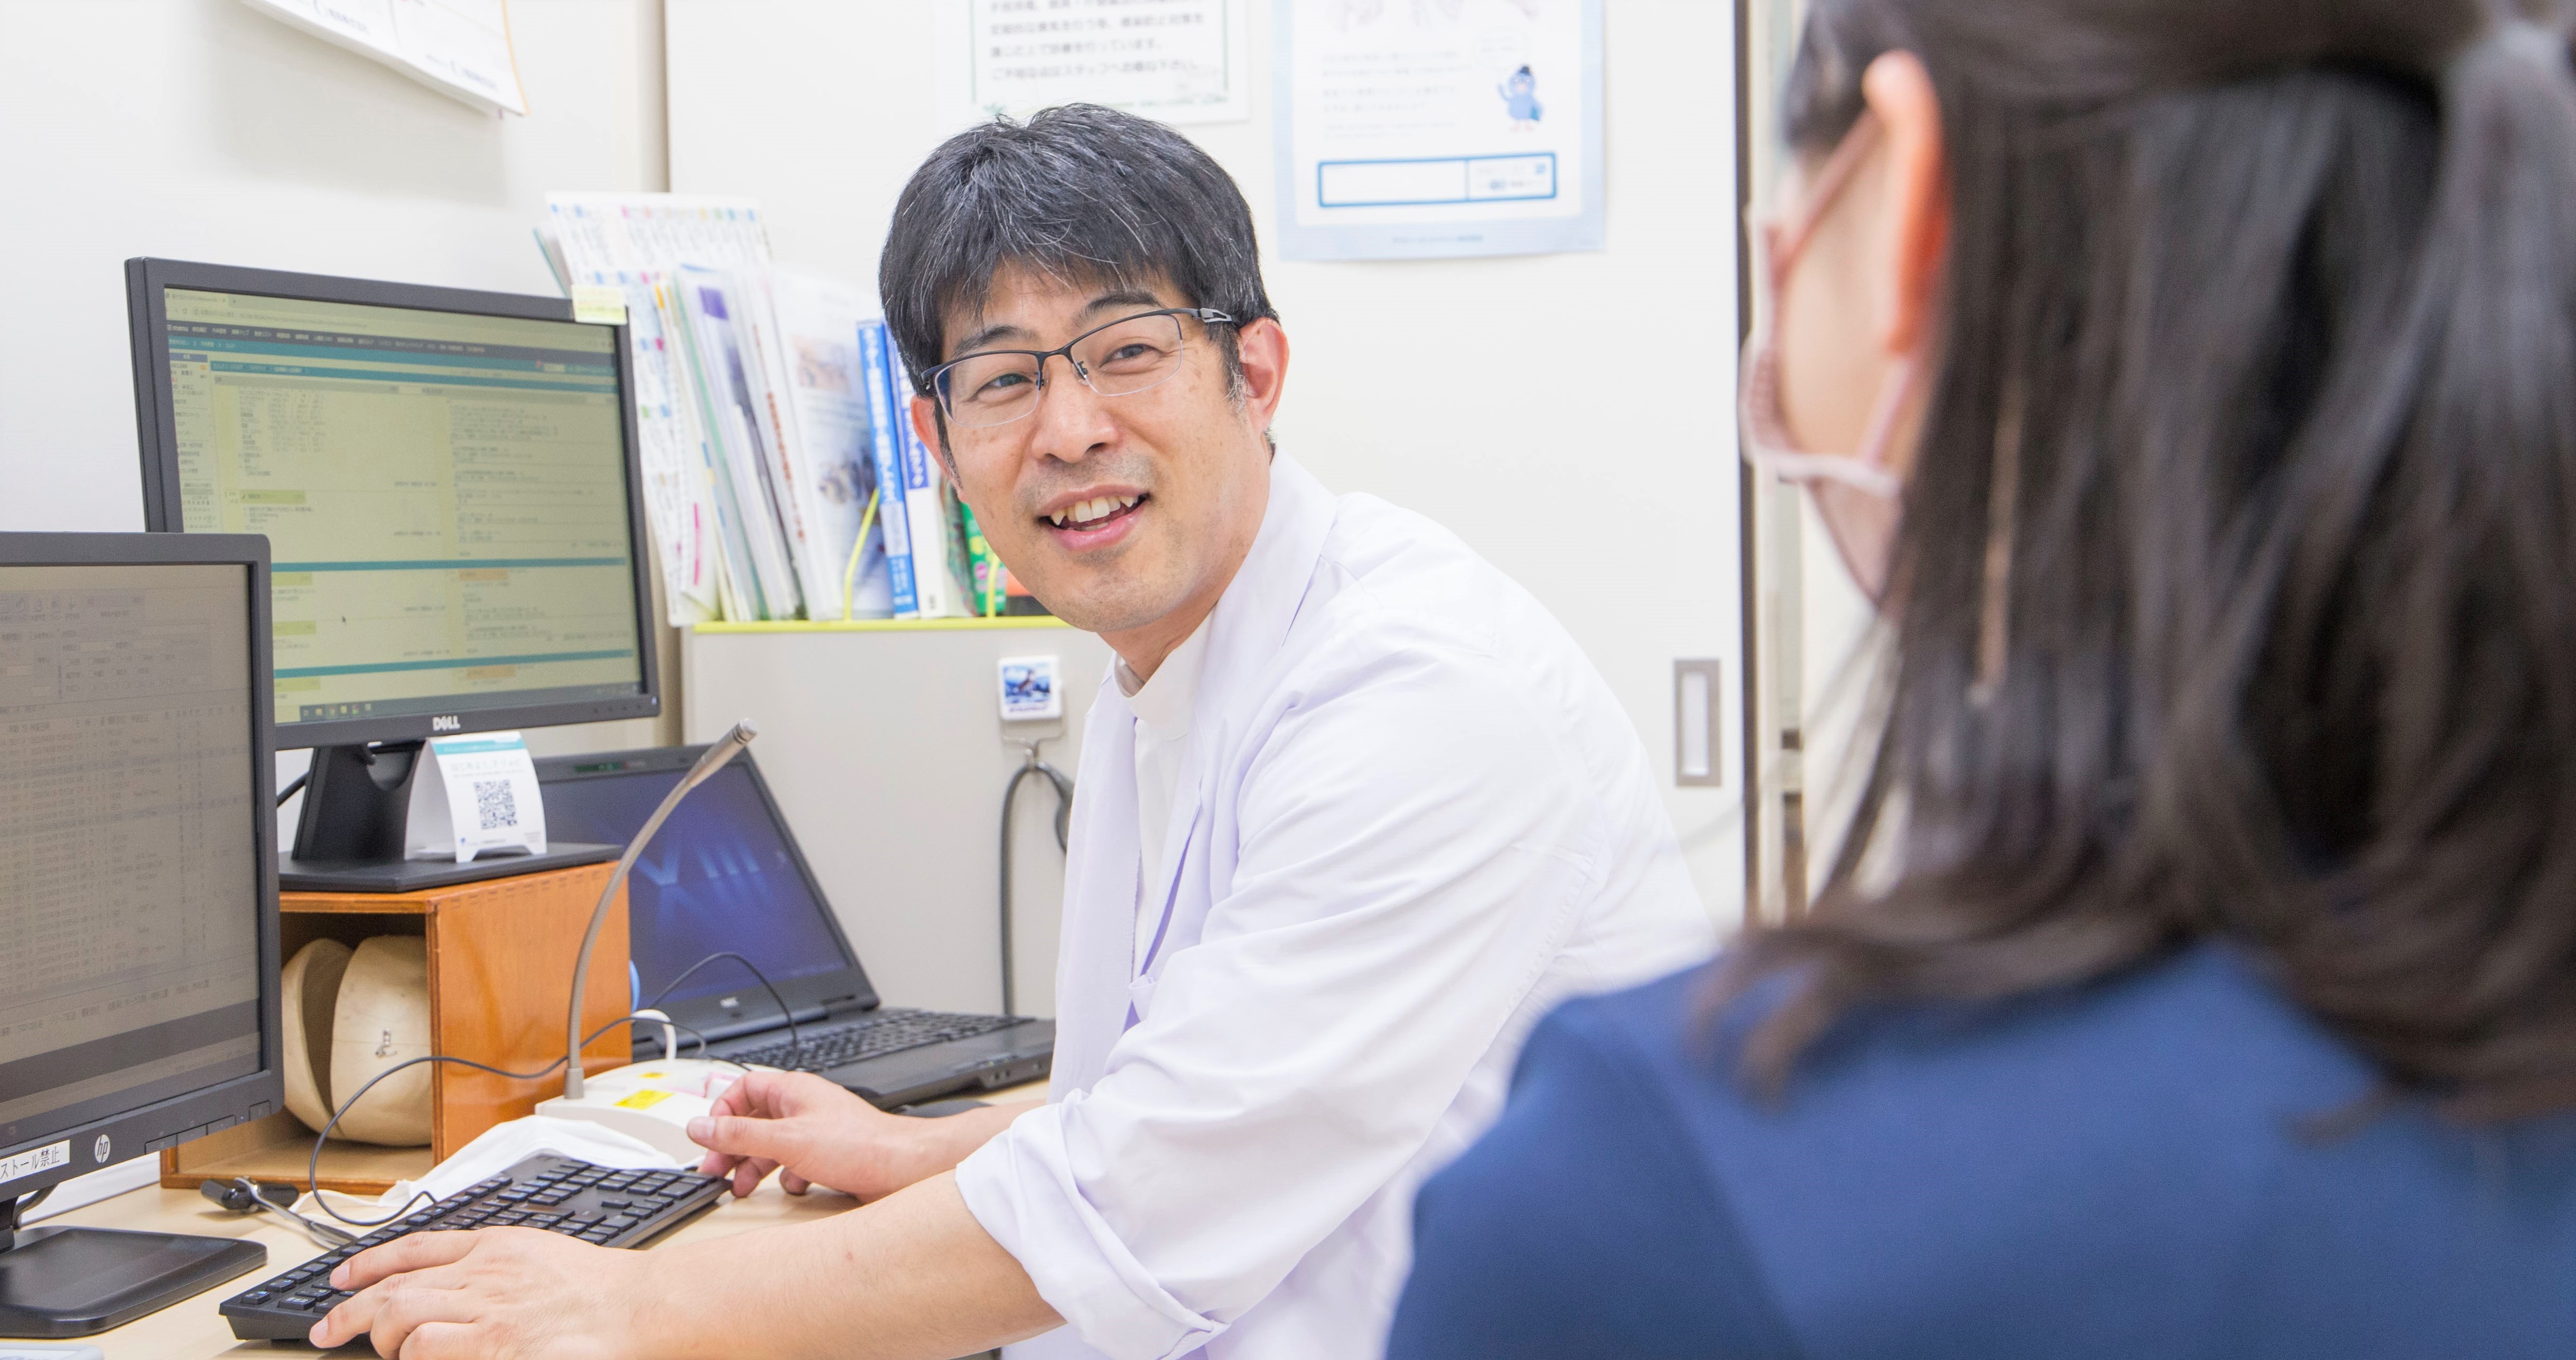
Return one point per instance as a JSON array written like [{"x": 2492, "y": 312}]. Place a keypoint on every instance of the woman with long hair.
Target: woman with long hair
[{"x": 2193, "y": 385}]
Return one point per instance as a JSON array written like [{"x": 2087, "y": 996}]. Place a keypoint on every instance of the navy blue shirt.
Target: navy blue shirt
[{"x": 2141, "y": 1167}]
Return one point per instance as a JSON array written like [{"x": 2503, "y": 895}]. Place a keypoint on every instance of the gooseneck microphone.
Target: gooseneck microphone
[{"x": 724, "y": 749}]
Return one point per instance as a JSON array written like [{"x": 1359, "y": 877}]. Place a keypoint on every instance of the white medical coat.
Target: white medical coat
[{"x": 1412, "y": 819}]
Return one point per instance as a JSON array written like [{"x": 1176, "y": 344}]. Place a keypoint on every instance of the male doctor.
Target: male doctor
[{"x": 1353, "y": 813}]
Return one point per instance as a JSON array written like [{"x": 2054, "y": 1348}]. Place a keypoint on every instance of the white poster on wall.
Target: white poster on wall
[
  {"x": 461, "y": 48},
  {"x": 1416, "y": 129},
  {"x": 1179, "y": 61}
]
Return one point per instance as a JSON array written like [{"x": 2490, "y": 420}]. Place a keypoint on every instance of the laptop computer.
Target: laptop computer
[{"x": 724, "y": 873}]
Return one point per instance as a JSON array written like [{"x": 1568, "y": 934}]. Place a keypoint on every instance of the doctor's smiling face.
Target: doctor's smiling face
[{"x": 1122, "y": 482}]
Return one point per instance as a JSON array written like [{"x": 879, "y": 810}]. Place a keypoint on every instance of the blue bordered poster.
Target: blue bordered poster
[{"x": 1421, "y": 129}]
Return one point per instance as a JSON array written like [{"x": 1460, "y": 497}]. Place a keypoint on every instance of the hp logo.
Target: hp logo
[{"x": 98, "y": 1150}]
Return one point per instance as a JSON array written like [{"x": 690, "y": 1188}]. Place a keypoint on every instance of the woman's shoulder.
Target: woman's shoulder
[{"x": 2115, "y": 1160}]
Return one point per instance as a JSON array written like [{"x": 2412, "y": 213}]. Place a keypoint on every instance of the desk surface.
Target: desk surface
[{"x": 191, "y": 1328}]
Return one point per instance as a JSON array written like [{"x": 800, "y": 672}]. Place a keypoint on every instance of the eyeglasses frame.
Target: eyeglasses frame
[{"x": 936, "y": 380}]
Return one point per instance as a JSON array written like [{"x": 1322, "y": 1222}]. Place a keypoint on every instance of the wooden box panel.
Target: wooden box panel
[{"x": 500, "y": 975}]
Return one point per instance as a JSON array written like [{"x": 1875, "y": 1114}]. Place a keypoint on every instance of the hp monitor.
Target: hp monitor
[
  {"x": 449, "y": 483},
  {"x": 138, "y": 896}
]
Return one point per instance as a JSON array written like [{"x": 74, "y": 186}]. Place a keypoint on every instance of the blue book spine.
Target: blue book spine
[{"x": 887, "y": 422}]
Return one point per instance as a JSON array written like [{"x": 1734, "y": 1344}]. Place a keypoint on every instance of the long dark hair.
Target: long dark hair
[{"x": 2271, "y": 308}]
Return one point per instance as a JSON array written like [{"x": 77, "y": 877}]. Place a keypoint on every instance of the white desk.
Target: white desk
[{"x": 191, "y": 1328}]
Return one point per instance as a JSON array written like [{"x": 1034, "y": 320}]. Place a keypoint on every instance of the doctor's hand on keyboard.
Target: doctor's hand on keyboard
[
  {"x": 813, "y": 1132},
  {"x": 496, "y": 1292}
]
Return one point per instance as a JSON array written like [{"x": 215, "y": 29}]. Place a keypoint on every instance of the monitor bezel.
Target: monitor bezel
[
  {"x": 157, "y": 425},
  {"x": 847, "y": 986},
  {"x": 149, "y": 1128}
]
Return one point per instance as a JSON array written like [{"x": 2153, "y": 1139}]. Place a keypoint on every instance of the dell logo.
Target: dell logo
[
  {"x": 730, "y": 1002},
  {"x": 446, "y": 723}
]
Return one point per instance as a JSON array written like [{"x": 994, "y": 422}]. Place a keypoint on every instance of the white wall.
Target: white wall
[
  {"x": 201, "y": 129},
  {"x": 1484, "y": 393}
]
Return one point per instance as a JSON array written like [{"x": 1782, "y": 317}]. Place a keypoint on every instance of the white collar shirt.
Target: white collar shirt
[
  {"x": 1162, "y": 707},
  {"x": 1411, "y": 817}
]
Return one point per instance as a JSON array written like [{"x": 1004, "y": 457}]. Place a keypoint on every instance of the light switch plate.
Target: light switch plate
[{"x": 1699, "y": 696}]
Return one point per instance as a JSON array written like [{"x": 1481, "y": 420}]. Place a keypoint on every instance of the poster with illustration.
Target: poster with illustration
[{"x": 1416, "y": 129}]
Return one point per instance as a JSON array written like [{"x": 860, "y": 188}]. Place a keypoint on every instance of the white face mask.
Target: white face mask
[{"x": 1855, "y": 495}]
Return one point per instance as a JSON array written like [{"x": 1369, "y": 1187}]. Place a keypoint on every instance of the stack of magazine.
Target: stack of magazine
[{"x": 782, "y": 474}]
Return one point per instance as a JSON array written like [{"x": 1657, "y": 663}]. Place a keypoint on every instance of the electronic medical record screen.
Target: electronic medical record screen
[
  {"x": 129, "y": 869},
  {"x": 445, "y": 495}
]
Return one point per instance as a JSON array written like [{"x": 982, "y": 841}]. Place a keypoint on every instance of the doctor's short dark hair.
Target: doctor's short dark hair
[{"x": 1082, "y": 193}]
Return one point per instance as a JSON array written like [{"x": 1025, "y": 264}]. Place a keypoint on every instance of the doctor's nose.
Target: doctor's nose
[{"x": 1071, "y": 421}]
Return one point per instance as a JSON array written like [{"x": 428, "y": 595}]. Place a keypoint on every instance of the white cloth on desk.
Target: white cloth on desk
[{"x": 1414, "y": 818}]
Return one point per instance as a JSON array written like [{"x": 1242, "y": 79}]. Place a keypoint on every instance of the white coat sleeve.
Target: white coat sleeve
[{"x": 1412, "y": 852}]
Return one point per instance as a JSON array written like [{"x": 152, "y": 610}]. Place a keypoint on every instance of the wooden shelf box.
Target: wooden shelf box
[{"x": 500, "y": 975}]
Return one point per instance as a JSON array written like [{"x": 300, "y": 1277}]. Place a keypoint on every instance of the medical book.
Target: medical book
[
  {"x": 876, "y": 357},
  {"x": 936, "y": 554},
  {"x": 828, "y": 428},
  {"x": 729, "y": 419},
  {"x": 634, "y": 243}
]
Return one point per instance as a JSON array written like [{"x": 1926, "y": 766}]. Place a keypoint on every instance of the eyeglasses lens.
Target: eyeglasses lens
[
  {"x": 991, "y": 389},
  {"x": 1131, "y": 356}
]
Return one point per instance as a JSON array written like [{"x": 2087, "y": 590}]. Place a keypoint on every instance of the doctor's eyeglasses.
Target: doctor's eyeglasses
[{"x": 996, "y": 387}]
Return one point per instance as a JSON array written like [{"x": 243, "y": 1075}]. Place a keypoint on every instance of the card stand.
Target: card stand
[{"x": 500, "y": 975}]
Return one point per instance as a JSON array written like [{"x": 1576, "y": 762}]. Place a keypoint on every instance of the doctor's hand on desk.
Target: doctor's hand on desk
[{"x": 813, "y": 1132}]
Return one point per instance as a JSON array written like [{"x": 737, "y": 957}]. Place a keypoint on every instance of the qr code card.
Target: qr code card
[{"x": 474, "y": 796}]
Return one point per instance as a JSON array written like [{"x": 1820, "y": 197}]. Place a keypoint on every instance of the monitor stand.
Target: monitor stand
[
  {"x": 357, "y": 807},
  {"x": 58, "y": 1282}
]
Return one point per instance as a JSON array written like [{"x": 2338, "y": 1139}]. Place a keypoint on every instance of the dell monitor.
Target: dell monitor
[
  {"x": 138, "y": 897},
  {"x": 449, "y": 483}
]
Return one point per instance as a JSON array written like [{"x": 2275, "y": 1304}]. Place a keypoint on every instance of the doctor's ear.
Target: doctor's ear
[
  {"x": 933, "y": 433},
  {"x": 1261, "y": 353}
]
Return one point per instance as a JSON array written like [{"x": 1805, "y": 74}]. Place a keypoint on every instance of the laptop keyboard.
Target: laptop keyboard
[{"x": 876, "y": 1035}]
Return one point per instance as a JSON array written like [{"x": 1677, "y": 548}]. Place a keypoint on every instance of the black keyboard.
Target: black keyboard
[
  {"x": 594, "y": 1203},
  {"x": 880, "y": 1033}
]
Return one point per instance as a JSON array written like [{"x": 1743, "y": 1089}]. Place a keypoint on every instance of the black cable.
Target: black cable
[
  {"x": 795, "y": 1035},
  {"x": 293, "y": 787},
  {"x": 313, "y": 1165},
  {"x": 1063, "y": 830},
  {"x": 313, "y": 1228}
]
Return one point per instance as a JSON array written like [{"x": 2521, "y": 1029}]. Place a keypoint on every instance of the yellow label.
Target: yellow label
[
  {"x": 599, "y": 304},
  {"x": 643, "y": 1100}
]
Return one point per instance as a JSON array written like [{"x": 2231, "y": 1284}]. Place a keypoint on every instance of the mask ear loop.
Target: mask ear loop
[{"x": 2003, "y": 507}]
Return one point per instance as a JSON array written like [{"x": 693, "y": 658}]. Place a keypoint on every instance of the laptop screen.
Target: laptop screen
[{"x": 717, "y": 876}]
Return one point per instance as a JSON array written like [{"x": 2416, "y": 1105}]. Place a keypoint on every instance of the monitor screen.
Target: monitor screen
[
  {"x": 130, "y": 879},
  {"x": 719, "y": 875},
  {"x": 445, "y": 495}
]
